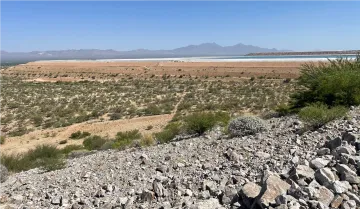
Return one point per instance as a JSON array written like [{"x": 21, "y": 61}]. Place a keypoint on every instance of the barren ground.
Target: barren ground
[{"x": 72, "y": 71}]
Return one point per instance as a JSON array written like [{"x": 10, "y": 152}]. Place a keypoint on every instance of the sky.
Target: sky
[{"x": 299, "y": 26}]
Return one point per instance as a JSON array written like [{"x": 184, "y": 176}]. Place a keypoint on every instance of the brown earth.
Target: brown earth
[
  {"x": 109, "y": 129},
  {"x": 72, "y": 71},
  {"x": 19, "y": 144}
]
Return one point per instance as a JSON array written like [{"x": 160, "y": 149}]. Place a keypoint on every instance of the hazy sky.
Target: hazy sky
[{"x": 29, "y": 26}]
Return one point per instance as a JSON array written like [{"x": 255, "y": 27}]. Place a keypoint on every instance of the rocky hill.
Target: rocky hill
[
  {"x": 205, "y": 49},
  {"x": 278, "y": 168}
]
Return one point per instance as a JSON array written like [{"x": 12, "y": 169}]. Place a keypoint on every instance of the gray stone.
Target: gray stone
[
  {"x": 274, "y": 187},
  {"x": 346, "y": 174},
  {"x": 323, "y": 151},
  {"x": 4, "y": 173},
  {"x": 340, "y": 187},
  {"x": 284, "y": 199},
  {"x": 318, "y": 163},
  {"x": 354, "y": 197},
  {"x": 324, "y": 196},
  {"x": 249, "y": 192},
  {"x": 158, "y": 188},
  {"x": 350, "y": 204},
  {"x": 263, "y": 155},
  {"x": 147, "y": 196},
  {"x": 349, "y": 137},
  {"x": 207, "y": 204},
  {"x": 324, "y": 176},
  {"x": 347, "y": 149},
  {"x": 233, "y": 156},
  {"x": 332, "y": 144},
  {"x": 204, "y": 194},
  {"x": 336, "y": 202},
  {"x": 303, "y": 171}
]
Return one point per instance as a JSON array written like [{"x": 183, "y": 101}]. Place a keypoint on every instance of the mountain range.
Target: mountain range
[{"x": 205, "y": 49}]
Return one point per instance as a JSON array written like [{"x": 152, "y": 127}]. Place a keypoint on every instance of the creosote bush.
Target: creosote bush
[
  {"x": 45, "y": 156},
  {"x": 94, "y": 142},
  {"x": 169, "y": 132},
  {"x": 317, "y": 115},
  {"x": 203, "y": 121},
  {"x": 334, "y": 83},
  {"x": 2, "y": 139},
  {"x": 126, "y": 139},
  {"x": 79, "y": 135},
  {"x": 147, "y": 140},
  {"x": 69, "y": 148}
]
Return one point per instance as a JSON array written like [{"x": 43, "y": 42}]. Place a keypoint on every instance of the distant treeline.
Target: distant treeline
[
  {"x": 9, "y": 64},
  {"x": 306, "y": 53}
]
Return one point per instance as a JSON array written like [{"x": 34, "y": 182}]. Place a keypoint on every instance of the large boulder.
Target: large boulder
[
  {"x": 246, "y": 125},
  {"x": 4, "y": 173},
  {"x": 346, "y": 174},
  {"x": 274, "y": 187},
  {"x": 324, "y": 176},
  {"x": 249, "y": 192}
]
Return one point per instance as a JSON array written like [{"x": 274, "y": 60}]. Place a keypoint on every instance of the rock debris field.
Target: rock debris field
[{"x": 276, "y": 168}]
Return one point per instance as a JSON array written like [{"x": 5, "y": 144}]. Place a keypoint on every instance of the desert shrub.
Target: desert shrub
[
  {"x": 169, "y": 132},
  {"x": 152, "y": 110},
  {"x": 63, "y": 142},
  {"x": 126, "y": 139},
  {"x": 45, "y": 156},
  {"x": 69, "y": 148},
  {"x": 149, "y": 127},
  {"x": 317, "y": 115},
  {"x": 94, "y": 142},
  {"x": 335, "y": 83},
  {"x": 203, "y": 121},
  {"x": 115, "y": 116},
  {"x": 2, "y": 139},
  {"x": 246, "y": 125},
  {"x": 79, "y": 135},
  {"x": 283, "y": 110},
  {"x": 147, "y": 140}
]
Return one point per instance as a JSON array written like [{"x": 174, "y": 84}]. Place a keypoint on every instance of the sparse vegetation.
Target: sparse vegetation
[
  {"x": 69, "y": 148},
  {"x": 334, "y": 83},
  {"x": 2, "y": 139},
  {"x": 169, "y": 132},
  {"x": 44, "y": 156},
  {"x": 317, "y": 115},
  {"x": 79, "y": 135},
  {"x": 94, "y": 142},
  {"x": 203, "y": 121},
  {"x": 147, "y": 140},
  {"x": 126, "y": 139}
]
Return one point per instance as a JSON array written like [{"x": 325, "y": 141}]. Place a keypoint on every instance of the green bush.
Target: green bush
[
  {"x": 201, "y": 122},
  {"x": 94, "y": 142},
  {"x": 283, "y": 110},
  {"x": 46, "y": 157},
  {"x": 317, "y": 115},
  {"x": 126, "y": 139},
  {"x": 2, "y": 139},
  {"x": 79, "y": 135},
  {"x": 169, "y": 132},
  {"x": 335, "y": 83},
  {"x": 69, "y": 148}
]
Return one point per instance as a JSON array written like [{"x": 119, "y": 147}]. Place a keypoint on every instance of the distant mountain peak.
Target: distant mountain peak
[{"x": 203, "y": 49}]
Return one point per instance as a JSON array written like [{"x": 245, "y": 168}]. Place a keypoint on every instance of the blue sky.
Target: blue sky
[{"x": 45, "y": 25}]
